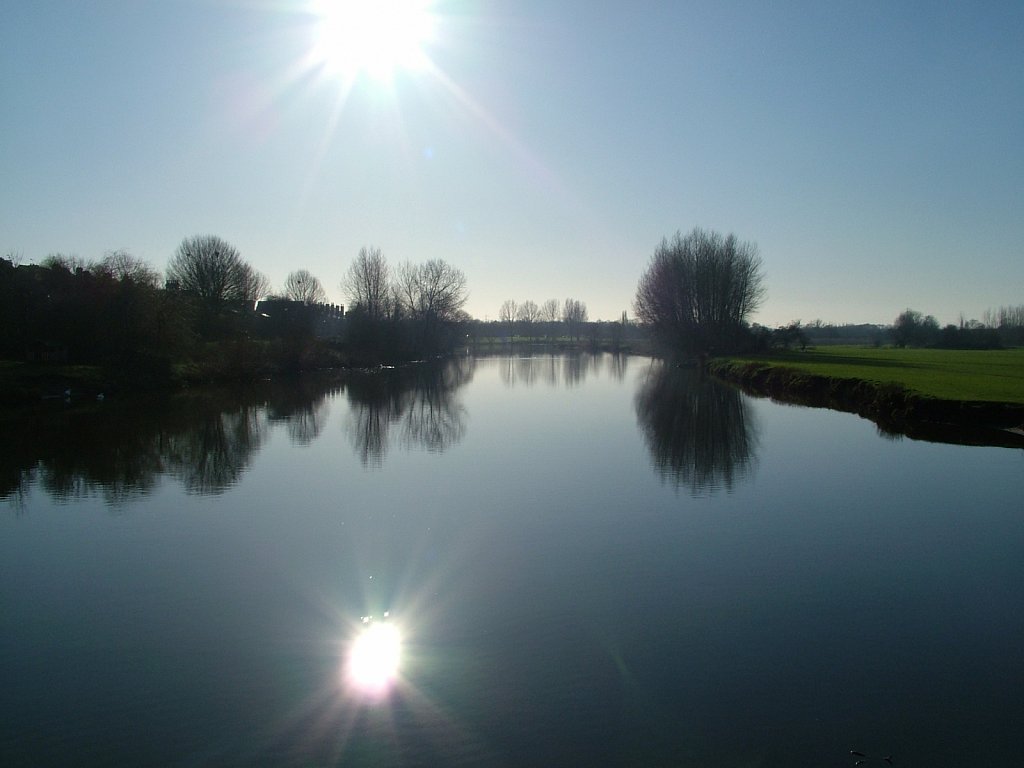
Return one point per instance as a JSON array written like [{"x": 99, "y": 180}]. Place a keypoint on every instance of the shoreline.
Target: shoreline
[{"x": 893, "y": 408}]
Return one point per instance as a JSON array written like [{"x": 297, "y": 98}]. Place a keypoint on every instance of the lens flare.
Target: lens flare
[{"x": 374, "y": 657}]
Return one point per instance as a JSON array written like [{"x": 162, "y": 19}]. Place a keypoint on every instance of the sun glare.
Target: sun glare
[
  {"x": 374, "y": 657},
  {"x": 372, "y": 37}
]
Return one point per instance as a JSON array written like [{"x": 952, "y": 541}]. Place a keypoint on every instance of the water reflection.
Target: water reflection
[
  {"x": 419, "y": 401},
  {"x": 374, "y": 657},
  {"x": 700, "y": 433},
  {"x": 119, "y": 451},
  {"x": 302, "y": 408},
  {"x": 211, "y": 457},
  {"x": 570, "y": 369}
]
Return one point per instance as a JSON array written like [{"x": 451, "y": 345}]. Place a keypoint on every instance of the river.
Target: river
[{"x": 579, "y": 559}]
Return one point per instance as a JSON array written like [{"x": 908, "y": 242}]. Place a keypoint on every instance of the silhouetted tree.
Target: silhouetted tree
[
  {"x": 911, "y": 328},
  {"x": 528, "y": 314},
  {"x": 791, "y": 335},
  {"x": 1009, "y": 321},
  {"x": 431, "y": 295},
  {"x": 367, "y": 285},
  {"x": 574, "y": 315},
  {"x": 433, "y": 291},
  {"x": 213, "y": 270},
  {"x": 372, "y": 330},
  {"x": 253, "y": 284},
  {"x": 699, "y": 290},
  {"x": 303, "y": 286},
  {"x": 549, "y": 314},
  {"x": 618, "y": 330},
  {"x": 67, "y": 262},
  {"x": 507, "y": 314},
  {"x": 122, "y": 266}
]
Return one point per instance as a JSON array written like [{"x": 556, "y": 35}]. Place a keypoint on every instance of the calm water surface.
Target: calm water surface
[{"x": 591, "y": 560}]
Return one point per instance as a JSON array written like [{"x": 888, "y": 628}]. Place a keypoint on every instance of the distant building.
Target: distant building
[{"x": 277, "y": 316}]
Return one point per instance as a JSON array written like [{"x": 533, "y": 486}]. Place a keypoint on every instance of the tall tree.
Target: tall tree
[
  {"x": 302, "y": 286},
  {"x": 367, "y": 286},
  {"x": 699, "y": 290}
]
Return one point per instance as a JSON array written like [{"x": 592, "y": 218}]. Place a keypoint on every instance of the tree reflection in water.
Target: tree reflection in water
[
  {"x": 211, "y": 457},
  {"x": 302, "y": 407},
  {"x": 570, "y": 368},
  {"x": 700, "y": 432},
  {"x": 121, "y": 450},
  {"x": 420, "y": 400}
]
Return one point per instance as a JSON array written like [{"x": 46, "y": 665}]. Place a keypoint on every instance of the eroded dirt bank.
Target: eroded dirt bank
[{"x": 892, "y": 407}]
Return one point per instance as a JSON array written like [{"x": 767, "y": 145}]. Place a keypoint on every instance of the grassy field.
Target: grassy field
[{"x": 969, "y": 375}]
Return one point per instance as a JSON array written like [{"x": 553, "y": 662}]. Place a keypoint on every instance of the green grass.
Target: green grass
[{"x": 968, "y": 375}]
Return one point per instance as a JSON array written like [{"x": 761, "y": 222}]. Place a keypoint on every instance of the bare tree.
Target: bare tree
[
  {"x": 698, "y": 291},
  {"x": 302, "y": 286},
  {"x": 1004, "y": 317},
  {"x": 549, "y": 312},
  {"x": 528, "y": 314},
  {"x": 121, "y": 265},
  {"x": 213, "y": 270},
  {"x": 366, "y": 285},
  {"x": 70, "y": 262},
  {"x": 574, "y": 315},
  {"x": 430, "y": 296},
  {"x": 507, "y": 314},
  {"x": 253, "y": 284},
  {"x": 431, "y": 292}
]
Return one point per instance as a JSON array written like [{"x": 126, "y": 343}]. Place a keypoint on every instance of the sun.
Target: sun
[{"x": 376, "y": 38}]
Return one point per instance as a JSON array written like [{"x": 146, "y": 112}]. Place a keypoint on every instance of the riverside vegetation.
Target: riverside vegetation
[
  {"x": 970, "y": 396},
  {"x": 90, "y": 328}
]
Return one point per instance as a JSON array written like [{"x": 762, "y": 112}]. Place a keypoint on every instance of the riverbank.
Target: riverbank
[
  {"x": 28, "y": 384},
  {"x": 899, "y": 390}
]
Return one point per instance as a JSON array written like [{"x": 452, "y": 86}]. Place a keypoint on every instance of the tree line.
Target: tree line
[
  {"x": 694, "y": 299},
  {"x": 1002, "y": 328},
  {"x": 206, "y": 438},
  {"x": 202, "y": 313},
  {"x": 533, "y": 321},
  {"x": 401, "y": 313}
]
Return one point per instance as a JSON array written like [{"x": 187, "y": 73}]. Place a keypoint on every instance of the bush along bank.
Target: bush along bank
[{"x": 892, "y": 407}]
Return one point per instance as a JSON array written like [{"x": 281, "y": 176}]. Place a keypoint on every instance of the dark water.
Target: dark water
[{"x": 592, "y": 560}]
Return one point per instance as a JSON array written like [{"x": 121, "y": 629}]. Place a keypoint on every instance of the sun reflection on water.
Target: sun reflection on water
[{"x": 374, "y": 657}]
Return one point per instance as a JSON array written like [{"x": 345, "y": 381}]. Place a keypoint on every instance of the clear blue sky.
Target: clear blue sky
[{"x": 874, "y": 151}]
